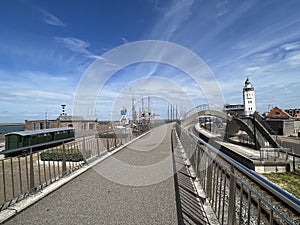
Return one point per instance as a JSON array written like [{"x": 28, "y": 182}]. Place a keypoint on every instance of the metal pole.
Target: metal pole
[
  {"x": 107, "y": 144},
  {"x": 168, "y": 112},
  {"x": 209, "y": 179},
  {"x": 31, "y": 171},
  {"x": 64, "y": 165},
  {"x": 254, "y": 131},
  {"x": 231, "y": 204},
  {"x": 294, "y": 166}
]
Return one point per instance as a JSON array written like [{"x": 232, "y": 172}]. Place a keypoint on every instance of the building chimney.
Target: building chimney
[{"x": 63, "y": 110}]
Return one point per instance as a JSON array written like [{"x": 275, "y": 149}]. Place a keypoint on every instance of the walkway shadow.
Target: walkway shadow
[{"x": 188, "y": 204}]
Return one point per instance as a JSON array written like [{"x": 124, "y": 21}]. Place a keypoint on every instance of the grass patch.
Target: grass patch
[
  {"x": 71, "y": 155},
  {"x": 289, "y": 181}
]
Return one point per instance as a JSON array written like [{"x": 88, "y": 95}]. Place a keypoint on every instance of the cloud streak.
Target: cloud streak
[
  {"x": 51, "y": 19},
  {"x": 77, "y": 46}
]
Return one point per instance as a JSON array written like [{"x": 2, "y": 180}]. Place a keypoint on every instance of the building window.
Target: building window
[
  {"x": 277, "y": 113},
  {"x": 91, "y": 126}
]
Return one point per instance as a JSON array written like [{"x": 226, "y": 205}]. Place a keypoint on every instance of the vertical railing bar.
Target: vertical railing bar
[
  {"x": 53, "y": 163},
  {"x": 214, "y": 186},
  {"x": 224, "y": 195},
  {"x": 78, "y": 149},
  {"x": 4, "y": 180},
  {"x": 45, "y": 173},
  {"x": 220, "y": 191},
  {"x": 64, "y": 166},
  {"x": 58, "y": 154},
  {"x": 271, "y": 217},
  {"x": 83, "y": 147},
  {"x": 241, "y": 203},
  {"x": 12, "y": 177},
  {"x": 249, "y": 207},
  {"x": 68, "y": 158},
  {"x": 32, "y": 183},
  {"x": 258, "y": 211},
  {"x": 39, "y": 168},
  {"x": 98, "y": 147},
  {"x": 72, "y": 147},
  {"x": 107, "y": 144},
  {"x": 231, "y": 204},
  {"x": 217, "y": 187},
  {"x": 20, "y": 174},
  {"x": 209, "y": 180},
  {"x": 49, "y": 170}
]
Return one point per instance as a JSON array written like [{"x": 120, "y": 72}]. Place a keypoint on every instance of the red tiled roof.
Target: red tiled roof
[
  {"x": 278, "y": 113},
  {"x": 297, "y": 116}
]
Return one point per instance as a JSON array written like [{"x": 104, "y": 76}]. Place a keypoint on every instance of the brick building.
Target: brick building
[
  {"x": 80, "y": 124},
  {"x": 281, "y": 122}
]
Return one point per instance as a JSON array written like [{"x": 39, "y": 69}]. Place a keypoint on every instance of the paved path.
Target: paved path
[
  {"x": 117, "y": 196},
  {"x": 292, "y": 143}
]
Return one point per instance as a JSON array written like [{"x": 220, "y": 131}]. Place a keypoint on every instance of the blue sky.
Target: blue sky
[{"x": 46, "y": 47}]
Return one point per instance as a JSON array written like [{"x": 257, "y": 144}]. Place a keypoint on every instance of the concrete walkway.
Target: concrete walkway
[{"x": 110, "y": 193}]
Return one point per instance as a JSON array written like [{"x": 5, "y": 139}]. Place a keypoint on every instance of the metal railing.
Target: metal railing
[
  {"x": 33, "y": 170},
  {"x": 233, "y": 199}
]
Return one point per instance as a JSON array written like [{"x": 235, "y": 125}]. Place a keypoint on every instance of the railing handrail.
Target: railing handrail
[{"x": 286, "y": 197}]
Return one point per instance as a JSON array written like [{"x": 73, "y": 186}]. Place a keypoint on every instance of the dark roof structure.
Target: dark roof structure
[{"x": 35, "y": 132}]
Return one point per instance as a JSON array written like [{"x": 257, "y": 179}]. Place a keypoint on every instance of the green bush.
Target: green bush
[
  {"x": 57, "y": 155},
  {"x": 106, "y": 135}
]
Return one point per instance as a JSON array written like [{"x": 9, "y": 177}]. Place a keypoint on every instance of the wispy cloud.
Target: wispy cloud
[
  {"x": 292, "y": 46},
  {"x": 222, "y": 8},
  {"x": 51, "y": 19},
  {"x": 77, "y": 46},
  {"x": 74, "y": 44},
  {"x": 172, "y": 19},
  {"x": 124, "y": 40}
]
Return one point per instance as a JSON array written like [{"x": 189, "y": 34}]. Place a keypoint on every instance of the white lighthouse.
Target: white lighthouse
[{"x": 249, "y": 98}]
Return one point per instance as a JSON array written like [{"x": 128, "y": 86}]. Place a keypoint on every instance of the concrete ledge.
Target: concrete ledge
[{"x": 25, "y": 203}]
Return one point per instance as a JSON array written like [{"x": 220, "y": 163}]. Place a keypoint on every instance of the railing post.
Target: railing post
[
  {"x": 84, "y": 151},
  {"x": 209, "y": 179},
  {"x": 98, "y": 146},
  {"x": 107, "y": 144},
  {"x": 286, "y": 154},
  {"x": 3, "y": 179},
  {"x": 231, "y": 204},
  {"x": 115, "y": 140},
  {"x": 197, "y": 158},
  {"x": 31, "y": 170},
  {"x": 64, "y": 165}
]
